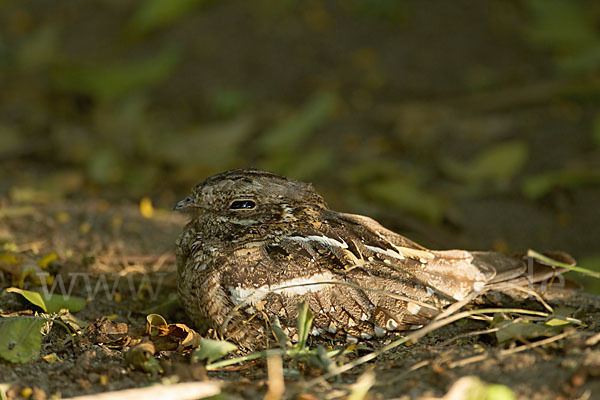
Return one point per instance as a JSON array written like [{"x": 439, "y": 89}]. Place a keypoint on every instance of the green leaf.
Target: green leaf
[
  {"x": 315, "y": 160},
  {"x": 407, "y": 196},
  {"x": 539, "y": 185},
  {"x": 596, "y": 131},
  {"x": 12, "y": 140},
  {"x": 20, "y": 338},
  {"x": 584, "y": 60},
  {"x": 550, "y": 261},
  {"x": 152, "y": 321},
  {"x": 155, "y": 14},
  {"x": 281, "y": 336},
  {"x": 106, "y": 166},
  {"x": 110, "y": 82},
  {"x": 281, "y": 144},
  {"x": 214, "y": 145},
  {"x": 228, "y": 102},
  {"x": 56, "y": 302},
  {"x": 211, "y": 350},
  {"x": 565, "y": 27},
  {"x": 39, "y": 49},
  {"x": 510, "y": 330},
  {"x": 498, "y": 392},
  {"x": 305, "y": 318},
  {"x": 33, "y": 297},
  {"x": 560, "y": 24},
  {"x": 497, "y": 164},
  {"x": 51, "y": 303}
]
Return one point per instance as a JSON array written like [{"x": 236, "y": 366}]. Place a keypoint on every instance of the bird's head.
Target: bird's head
[{"x": 248, "y": 200}]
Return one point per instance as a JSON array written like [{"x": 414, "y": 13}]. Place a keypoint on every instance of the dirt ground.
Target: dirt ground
[
  {"x": 460, "y": 124},
  {"x": 104, "y": 238}
]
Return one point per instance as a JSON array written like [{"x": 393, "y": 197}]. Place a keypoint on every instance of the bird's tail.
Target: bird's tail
[
  {"x": 532, "y": 272},
  {"x": 457, "y": 273}
]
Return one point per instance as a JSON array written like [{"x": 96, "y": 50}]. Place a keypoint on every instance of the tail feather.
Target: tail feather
[
  {"x": 457, "y": 273},
  {"x": 536, "y": 273}
]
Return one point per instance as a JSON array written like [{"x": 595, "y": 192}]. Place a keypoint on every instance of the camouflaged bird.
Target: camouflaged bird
[{"x": 258, "y": 244}]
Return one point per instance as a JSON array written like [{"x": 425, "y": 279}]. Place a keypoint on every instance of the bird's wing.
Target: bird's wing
[
  {"x": 271, "y": 278},
  {"x": 451, "y": 272},
  {"x": 456, "y": 273}
]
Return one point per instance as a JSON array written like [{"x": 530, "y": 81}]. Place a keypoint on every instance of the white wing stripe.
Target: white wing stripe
[
  {"x": 321, "y": 239},
  {"x": 297, "y": 286},
  {"x": 387, "y": 252}
]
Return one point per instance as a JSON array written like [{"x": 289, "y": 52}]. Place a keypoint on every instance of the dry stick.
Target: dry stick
[
  {"x": 481, "y": 357},
  {"x": 252, "y": 356},
  {"x": 404, "y": 373},
  {"x": 469, "y": 334},
  {"x": 458, "y": 305},
  {"x": 178, "y": 391},
  {"x": 592, "y": 341},
  {"x": 436, "y": 324},
  {"x": 275, "y": 381},
  {"x": 480, "y": 332},
  {"x": 138, "y": 258},
  {"x": 533, "y": 293}
]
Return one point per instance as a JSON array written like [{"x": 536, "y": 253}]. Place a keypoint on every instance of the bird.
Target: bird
[{"x": 257, "y": 244}]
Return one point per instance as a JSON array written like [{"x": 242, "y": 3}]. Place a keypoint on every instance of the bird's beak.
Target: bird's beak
[{"x": 184, "y": 204}]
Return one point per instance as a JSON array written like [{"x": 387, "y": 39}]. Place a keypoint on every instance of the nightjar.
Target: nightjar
[{"x": 258, "y": 244}]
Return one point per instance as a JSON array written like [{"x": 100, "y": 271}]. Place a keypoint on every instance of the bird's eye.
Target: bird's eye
[{"x": 242, "y": 204}]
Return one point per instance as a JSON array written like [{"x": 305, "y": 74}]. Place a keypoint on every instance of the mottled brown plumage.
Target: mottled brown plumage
[{"x": 258, "y": 243}]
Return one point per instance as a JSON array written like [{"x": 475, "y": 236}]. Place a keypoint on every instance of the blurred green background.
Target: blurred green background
[{"x": 459, "y": 123}]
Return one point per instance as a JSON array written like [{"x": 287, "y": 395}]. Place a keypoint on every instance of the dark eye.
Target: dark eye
[{"x": 242, "y": 204}]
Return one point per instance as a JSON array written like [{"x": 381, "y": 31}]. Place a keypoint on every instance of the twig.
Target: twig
[
  {"x": 252, "y": 356},
  {"x": 416, "y": 335},
  {"x": 533, "y": 293},
  {"x": 502, "y": 353},
  {"x": 592, "y": 341},
  {"x": 178, "y": 391},
  {"x": 404, "y": 373},
  {"x": 275, "y": 382},
  {"x": 469, "y": 334},
  {"x": 138, "y": 258}
]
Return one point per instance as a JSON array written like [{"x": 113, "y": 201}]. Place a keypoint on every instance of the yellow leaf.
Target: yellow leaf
[
  {"x": 27, "y": 270},
  {"x": 146, "y": 207},
  {"x": 117, "y": 221},
  {"x": 47, "y": 260},
  {"x": 8, "y": 258},
  {"x": 557, "y": 322},
  {"x": 62, "y": 217},
  {"x": 33, "y": 297},
  {"x": 85, "y": 227},
  {"x": 51, "y": 358},
  {"x": 10, "y": 246}
]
